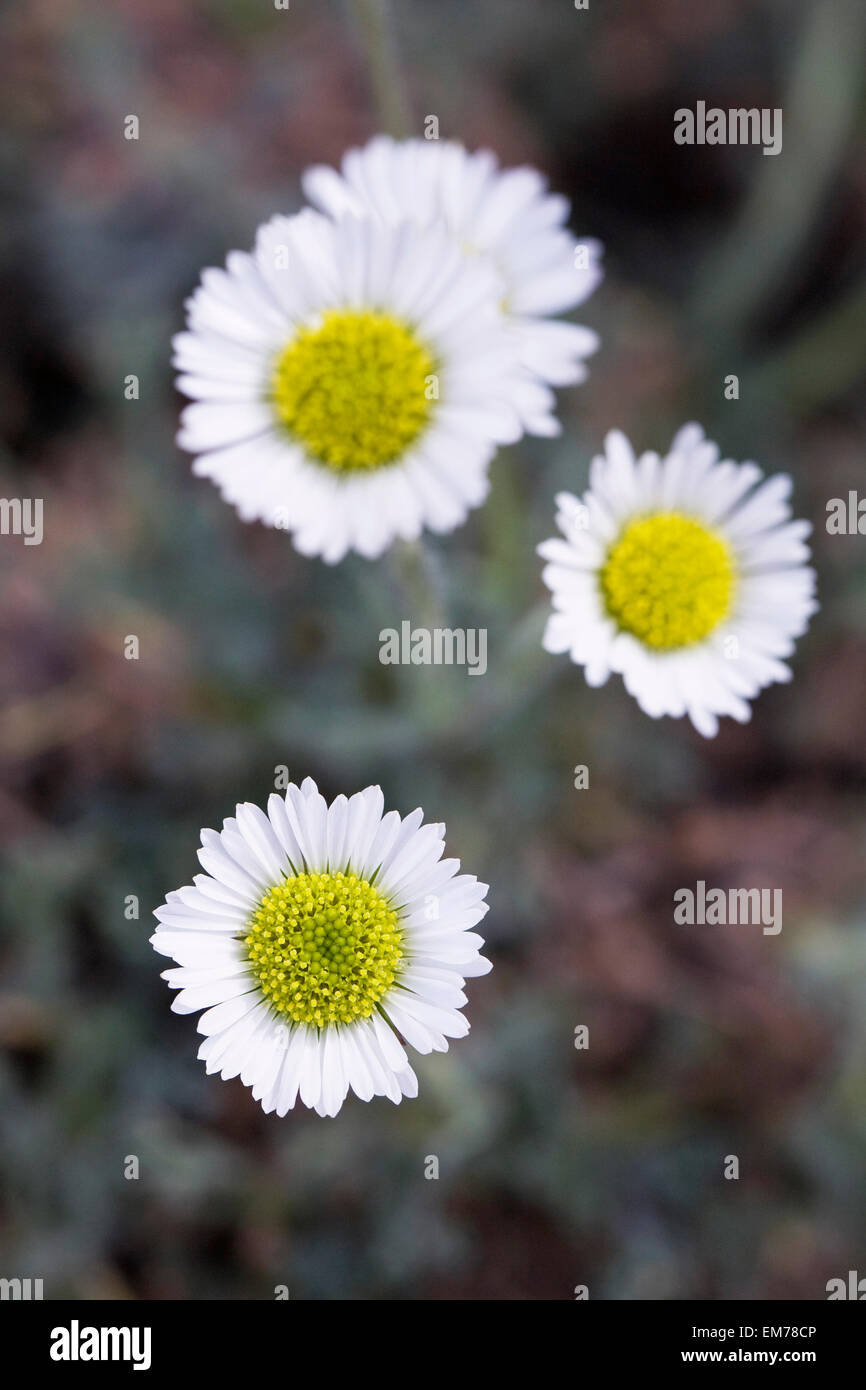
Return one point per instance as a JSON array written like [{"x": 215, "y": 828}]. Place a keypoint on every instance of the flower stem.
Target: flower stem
[
  {"x": 374, "y": 19},
  {"x": 420, "y": 582}
]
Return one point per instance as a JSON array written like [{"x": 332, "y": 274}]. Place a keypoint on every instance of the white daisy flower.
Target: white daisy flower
[
  {"x": 685, "y": 575},
  {"x": 314, "y": 938},
  {"x": 351, "y": 381},
  {"x": 506, "y": 216}
]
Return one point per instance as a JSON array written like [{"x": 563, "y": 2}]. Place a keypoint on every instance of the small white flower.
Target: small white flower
[
  {"x": 316, "y": 935},
  {"x": 685, "y": 575},
  {"x": 351, "y": 381},
  {"x": 507, "y": 216}
]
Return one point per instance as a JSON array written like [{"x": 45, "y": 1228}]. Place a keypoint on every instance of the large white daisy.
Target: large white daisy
[
  {"x": 505, "y": 216},
  {"x": 685, "y": 575},
  {"x": 351, "y": 381},
  {"x": 315, "y": 937}
]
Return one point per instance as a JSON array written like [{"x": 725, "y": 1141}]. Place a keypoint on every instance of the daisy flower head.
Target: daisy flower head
[
  {"x": 683, "y": 574},
  {"x": 350, "y": 381},
  {"x": 316, "y": 939},
  {"x": 505, "y": 216}
]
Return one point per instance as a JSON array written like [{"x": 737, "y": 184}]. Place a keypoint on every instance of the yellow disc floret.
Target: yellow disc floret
[
  {"x": 356, "y": 389},
  {"x": 668, "y": 580},
  {"x": 324, "y": 947}
]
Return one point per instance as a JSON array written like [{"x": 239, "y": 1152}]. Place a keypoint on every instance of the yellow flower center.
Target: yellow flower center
[
  {"x": 324, "y": 947},
  {"x": 668, "y": 580},
  {"x": 356, "y": 389}
]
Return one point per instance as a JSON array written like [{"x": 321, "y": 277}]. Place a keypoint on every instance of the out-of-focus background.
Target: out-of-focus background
[{"x": 558, "y": 1167}]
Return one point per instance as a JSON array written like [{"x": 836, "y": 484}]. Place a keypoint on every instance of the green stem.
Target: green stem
[
  {"x": 375, "y": 24},
  {"x": 414, "y": 568}
]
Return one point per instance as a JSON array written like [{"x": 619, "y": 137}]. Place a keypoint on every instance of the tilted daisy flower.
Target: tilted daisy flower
[
  {"x": 685, "y": 575},
  {"x": 505, "y": 216},
  {"x": 315, "y": 937},
  {"x": 351, "y": 381}
]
